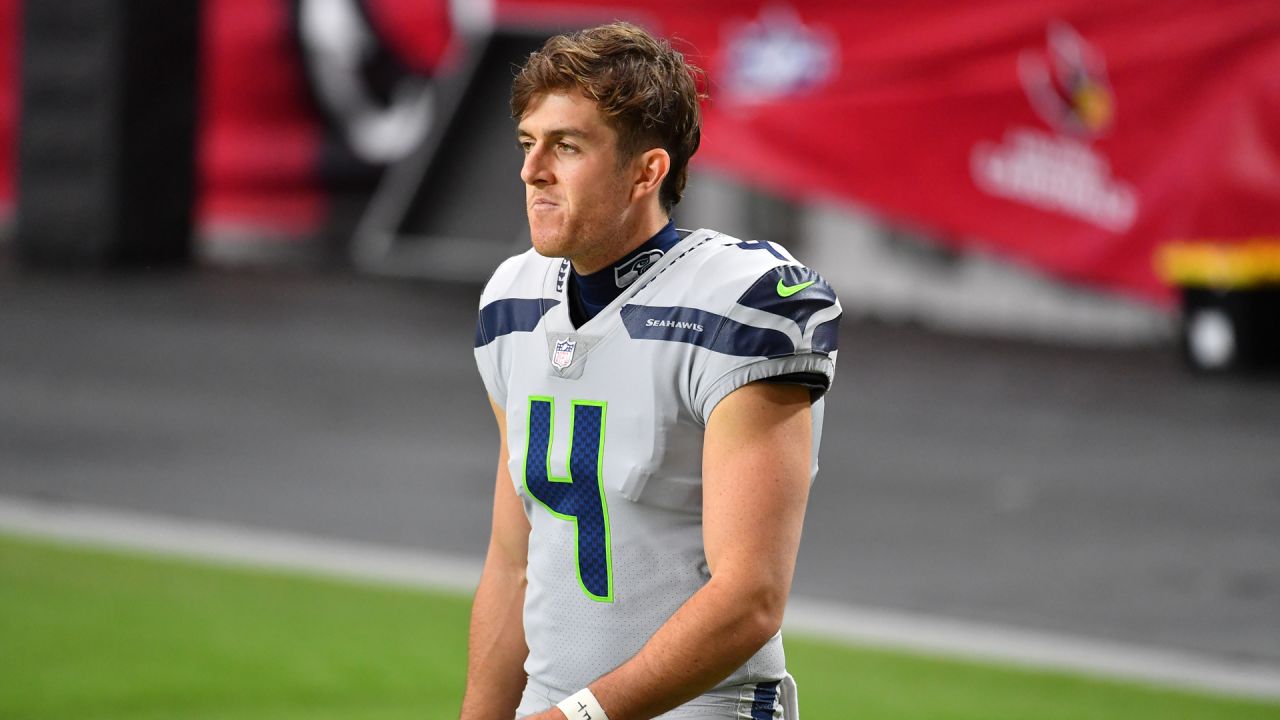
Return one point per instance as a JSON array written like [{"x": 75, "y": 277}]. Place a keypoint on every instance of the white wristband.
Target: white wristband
[{"x": 582, "y": 705}]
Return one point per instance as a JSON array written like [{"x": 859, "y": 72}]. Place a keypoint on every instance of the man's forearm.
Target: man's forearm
[
  {"x": 496, "y": 647},
  {"x": 717, "y": 630}
]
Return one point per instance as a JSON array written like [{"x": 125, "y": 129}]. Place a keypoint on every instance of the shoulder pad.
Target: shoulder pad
[
  {"x": 517, "y": 276},
  {"x": 791, "y": 291}
]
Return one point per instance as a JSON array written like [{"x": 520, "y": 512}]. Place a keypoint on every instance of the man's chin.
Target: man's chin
[{"x": 552, "y": 247}]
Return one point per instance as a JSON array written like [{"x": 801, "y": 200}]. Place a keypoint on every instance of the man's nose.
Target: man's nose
[{"x": 535, "y": 170}]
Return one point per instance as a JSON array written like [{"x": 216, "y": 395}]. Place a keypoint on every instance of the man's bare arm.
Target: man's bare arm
[
  {"x": 756, "y": 460},
  {"x": 496, "y": 647}
]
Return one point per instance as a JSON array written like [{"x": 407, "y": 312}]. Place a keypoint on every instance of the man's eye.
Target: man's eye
[
  {"x": 566, "y": 147},
  {"x": 526, "y": 146}
]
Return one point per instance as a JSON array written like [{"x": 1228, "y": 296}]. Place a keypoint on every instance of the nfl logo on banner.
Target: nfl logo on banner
[{"x": 563, "y": 355}]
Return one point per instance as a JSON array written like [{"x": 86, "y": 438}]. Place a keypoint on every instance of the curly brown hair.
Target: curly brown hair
[{"x": 645, "y": 89}]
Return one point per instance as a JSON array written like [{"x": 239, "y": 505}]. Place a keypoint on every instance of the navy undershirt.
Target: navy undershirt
[{"x": 589, "y": 294}]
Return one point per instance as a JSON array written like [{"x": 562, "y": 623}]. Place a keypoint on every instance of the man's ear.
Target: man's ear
[{"x": 652, "y": 167}]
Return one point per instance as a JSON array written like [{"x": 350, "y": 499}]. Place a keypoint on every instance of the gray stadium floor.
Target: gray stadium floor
[{"x": 1099, "y": 493}]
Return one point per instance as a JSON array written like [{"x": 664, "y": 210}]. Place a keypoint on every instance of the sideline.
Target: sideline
[{"x": 823, "y": 619}]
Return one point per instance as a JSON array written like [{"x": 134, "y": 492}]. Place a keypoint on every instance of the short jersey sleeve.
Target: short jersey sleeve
[
  {"x": 487, "y": 360},
  {"x": 500, "y": 315},
  {"x": 783, "y": 324}
]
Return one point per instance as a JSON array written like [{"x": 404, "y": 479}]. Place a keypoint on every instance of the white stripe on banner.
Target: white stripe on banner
[{"x": 825, "y": 619}]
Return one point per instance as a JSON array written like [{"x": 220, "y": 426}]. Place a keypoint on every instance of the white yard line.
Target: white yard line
[
  {"x": 821, "y": 618},
  {"x": 1031, "y": 649}
]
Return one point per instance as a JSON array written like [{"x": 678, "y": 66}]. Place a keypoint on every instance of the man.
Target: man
[{"x": 658, "y": 400}]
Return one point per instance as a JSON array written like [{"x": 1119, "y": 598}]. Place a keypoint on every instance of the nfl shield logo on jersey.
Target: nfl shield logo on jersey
[{"x": 563, "y": 355}]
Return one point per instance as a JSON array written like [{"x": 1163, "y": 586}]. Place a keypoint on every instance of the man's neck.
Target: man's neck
[
  {"x": 589, "y": 294},
  {"x": 636, "y": 233}
]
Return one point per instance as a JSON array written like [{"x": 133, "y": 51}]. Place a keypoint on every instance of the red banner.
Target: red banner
[
  {"x": 1072, "y": 135},
  {"x": 9, "y": 23},
  {"x": 259, "y": 133}
]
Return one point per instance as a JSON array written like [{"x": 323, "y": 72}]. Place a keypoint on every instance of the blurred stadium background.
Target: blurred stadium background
[{"x": 243, "y": 243}]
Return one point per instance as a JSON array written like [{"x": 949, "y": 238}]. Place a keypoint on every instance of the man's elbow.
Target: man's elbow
[{"x": 765, "y": 609}]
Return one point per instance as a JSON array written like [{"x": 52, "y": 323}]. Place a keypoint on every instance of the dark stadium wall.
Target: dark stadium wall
[{"x": 105, "y": 167}]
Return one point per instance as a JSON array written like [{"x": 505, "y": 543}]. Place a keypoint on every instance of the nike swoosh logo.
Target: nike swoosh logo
[{"x": 785, "y": 290}]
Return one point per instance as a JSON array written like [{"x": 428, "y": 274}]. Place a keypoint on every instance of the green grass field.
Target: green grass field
[{"x": 89, "y": 634}]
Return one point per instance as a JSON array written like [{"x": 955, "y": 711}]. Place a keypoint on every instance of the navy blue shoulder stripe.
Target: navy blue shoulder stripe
[
  {"x": 502, "y": 317},
  {"x": 704, "y": 329},
  {"x": 826, "y": 337},
  {"x": 790, "y": 291}
]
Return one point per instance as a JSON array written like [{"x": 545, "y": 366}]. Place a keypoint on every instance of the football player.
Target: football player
[{"x": 658, "y": 394}]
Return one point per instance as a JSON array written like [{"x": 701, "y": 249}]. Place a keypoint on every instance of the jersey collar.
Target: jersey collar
[
  {"x": 558, "y": 320},
  {"x": 594, "y": 292}
]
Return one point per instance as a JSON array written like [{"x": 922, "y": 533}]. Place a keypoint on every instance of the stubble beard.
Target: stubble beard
[{"x": 590, "y": 241}]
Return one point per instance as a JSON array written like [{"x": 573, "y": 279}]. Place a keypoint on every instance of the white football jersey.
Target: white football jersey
[{"x": 605, "y": 428}]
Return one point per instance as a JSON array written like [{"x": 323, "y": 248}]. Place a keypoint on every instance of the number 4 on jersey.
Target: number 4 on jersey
[{"x": 580, "y": 497}]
